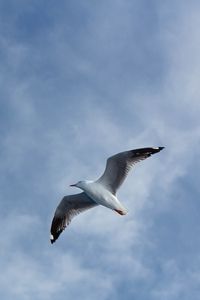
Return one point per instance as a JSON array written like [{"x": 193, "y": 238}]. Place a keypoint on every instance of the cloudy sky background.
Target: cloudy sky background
[{"x": 80, "y": 81}]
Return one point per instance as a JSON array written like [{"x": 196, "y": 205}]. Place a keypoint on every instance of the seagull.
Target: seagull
[{"x": 99, "y": 192}]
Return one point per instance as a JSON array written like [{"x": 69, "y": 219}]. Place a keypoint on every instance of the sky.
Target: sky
[{"x": 79, "y": 82}]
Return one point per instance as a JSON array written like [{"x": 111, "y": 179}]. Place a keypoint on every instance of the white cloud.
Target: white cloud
[{"x": 50, "y": 144}]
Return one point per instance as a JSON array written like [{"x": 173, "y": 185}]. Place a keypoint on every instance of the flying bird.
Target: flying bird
[{"x": 99, "y": 192}]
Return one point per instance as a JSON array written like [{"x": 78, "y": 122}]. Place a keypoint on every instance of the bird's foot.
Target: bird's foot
[{"x": 120, "y": 212}]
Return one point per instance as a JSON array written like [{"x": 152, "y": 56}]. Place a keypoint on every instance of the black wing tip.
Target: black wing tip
[
  {"x": 54, "y": 236},
  {"x": 52, "y": 239},
  {"x": 147, "y": 151},
  {"x": 57, "y": 227},
  {"x": 154, "y": 150},
  {"x": 157, "y": 149}
]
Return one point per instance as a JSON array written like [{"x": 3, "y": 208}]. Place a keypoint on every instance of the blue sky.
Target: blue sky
[{"x": 80, "y": 81}]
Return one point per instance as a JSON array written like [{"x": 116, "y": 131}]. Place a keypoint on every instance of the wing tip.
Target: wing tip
[
  {"x": 155, "y": 150},
  {"x": 55, "y": 236},
  {"x": 52, "y": 239},
  {"x": 158, "y": 149},
  {"x": 147, "y": 151}
]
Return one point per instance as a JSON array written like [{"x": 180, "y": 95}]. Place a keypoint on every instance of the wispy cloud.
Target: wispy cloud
[{"x": 75, "y": 90}]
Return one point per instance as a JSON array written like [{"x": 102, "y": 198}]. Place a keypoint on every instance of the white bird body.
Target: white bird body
[
  {"x": 100, "y": 192},
  {"x": 101, "y": 195}
]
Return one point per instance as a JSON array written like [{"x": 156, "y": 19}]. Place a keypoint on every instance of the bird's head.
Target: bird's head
[{"x": 80, "y": 184}]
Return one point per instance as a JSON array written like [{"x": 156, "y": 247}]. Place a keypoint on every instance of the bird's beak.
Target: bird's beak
[{"x": 72, "y": 185}]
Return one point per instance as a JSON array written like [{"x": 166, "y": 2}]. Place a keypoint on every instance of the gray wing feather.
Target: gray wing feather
[
  {"x": 118, "y": 166},
  {"x": 69, "y": 207}
]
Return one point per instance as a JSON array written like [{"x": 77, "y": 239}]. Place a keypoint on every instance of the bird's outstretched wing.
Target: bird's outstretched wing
[
  {"x": 69, "y": 207},
  {"x": 119, "y": 165}
]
